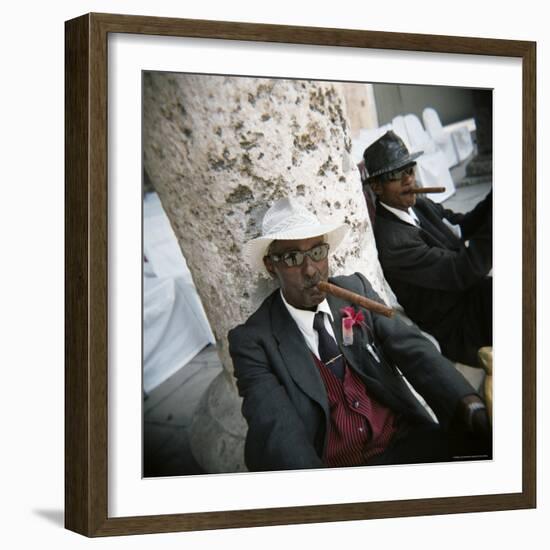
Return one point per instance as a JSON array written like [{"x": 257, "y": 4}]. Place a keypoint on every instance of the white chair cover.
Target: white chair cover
[
  {"x": 432, "y": 171},
  {"x": 398, "y": 126},
  {"x": 175, "y": 327},
  {"x": 463, "y": 143},
  {"x": 442, "y": 139},
  {"x": 418, "y": 137}
]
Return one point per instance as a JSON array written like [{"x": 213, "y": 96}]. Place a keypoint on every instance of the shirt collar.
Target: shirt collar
[
  {"x": 408, "y": 217},
  {"x": 304, "y": 317}
]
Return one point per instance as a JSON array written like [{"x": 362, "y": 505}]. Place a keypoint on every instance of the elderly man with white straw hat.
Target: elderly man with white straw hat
[{"x": 322, "y": 378}]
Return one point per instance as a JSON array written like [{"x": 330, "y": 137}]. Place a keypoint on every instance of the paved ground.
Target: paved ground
[
  {"x": 167, "y": 414},
  {"x": 169, "y": 408},
  {"x": 467, "y": 197}
]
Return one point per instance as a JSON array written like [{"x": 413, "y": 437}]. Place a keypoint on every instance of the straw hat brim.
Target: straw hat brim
[{"x": 255, "y": 249}]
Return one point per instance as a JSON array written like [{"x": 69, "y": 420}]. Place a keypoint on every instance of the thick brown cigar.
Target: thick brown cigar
[
  {"x": 355, "y": 298},
  {"x": 428, "y": 190}
]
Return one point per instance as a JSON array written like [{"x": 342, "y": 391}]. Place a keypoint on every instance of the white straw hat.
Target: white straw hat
[{"x": 289, "y": 220}]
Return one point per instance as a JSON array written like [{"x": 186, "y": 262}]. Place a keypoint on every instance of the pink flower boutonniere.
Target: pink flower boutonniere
[{"x": 350, "y": 319}]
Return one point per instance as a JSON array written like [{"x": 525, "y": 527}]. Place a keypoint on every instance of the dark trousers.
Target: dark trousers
[
  {"x": 473, "y": 328},
  {"x": 424, "y": 443}
]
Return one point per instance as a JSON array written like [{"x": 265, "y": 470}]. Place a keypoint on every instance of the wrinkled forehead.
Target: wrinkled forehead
[{"x": 281, "y": 246}]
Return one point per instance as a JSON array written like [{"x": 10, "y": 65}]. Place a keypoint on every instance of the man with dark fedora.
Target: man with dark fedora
[
  {"x": 437, "y": 262},
  {"x": 323, "y": 380}
]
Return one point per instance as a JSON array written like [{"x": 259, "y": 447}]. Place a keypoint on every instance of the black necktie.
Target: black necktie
[
  {"x": 328, "y": 349},
  {"x": 416, "y": 217}
]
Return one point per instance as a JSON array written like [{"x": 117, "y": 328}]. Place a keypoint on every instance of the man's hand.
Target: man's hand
[{"x": 475, "y": 418}]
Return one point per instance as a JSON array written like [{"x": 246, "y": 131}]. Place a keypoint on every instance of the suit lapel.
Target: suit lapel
[
  {"x": 436, "y": 228},
  {"x": 359, "y": 358},
  {"x": 296, "y": 355},
  {"x": 298, "y": 358},
  {"x": 431, "y": 233},
  {"x": 432, "y": 230},
  {"x": 356, "y": 353}
]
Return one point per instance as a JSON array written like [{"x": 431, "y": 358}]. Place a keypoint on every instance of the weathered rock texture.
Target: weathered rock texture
[
  {"x": 219, "y": 150},
  {"x": 218, "y": 429},
  {"x": 360, "y": 107}
]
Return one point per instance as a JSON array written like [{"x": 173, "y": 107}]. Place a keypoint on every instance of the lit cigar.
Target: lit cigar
[
  {"x": 428, "y": 190},
  {"x": 349, "y": 296}
]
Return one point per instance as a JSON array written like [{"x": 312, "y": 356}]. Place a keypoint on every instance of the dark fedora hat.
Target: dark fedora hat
[{"x": 386, "y": 154}]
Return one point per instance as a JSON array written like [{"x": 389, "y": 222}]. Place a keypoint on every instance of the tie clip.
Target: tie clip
[{"x": 333, "y": 359}]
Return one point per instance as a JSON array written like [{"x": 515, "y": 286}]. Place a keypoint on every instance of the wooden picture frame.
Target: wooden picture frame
[{"x": 86, "y": 231}]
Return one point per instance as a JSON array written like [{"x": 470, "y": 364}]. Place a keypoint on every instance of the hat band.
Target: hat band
[{"x": 390, "y": 166}]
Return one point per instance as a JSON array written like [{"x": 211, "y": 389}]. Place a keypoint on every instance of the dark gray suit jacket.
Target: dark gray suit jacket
[{"x": 285, "y": 401}]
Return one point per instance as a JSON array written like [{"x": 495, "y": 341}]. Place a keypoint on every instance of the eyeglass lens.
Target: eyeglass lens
[
  {"x": 296, "y": 257},
  {"x": 399, "y": 174}
]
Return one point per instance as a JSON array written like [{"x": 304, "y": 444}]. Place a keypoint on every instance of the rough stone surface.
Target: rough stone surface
[
  {"x": 360, "y": 107},
  {"x": 218, "y": 429},
  {"x": 219, "y": 150}
]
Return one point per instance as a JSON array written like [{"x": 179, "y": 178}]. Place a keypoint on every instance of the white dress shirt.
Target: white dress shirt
[
  {"x": 409, "y": 216},
  {"x": 304, "y": 320}
]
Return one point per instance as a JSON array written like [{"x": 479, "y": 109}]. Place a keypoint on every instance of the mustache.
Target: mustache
[{"x": 313, "y": 282}]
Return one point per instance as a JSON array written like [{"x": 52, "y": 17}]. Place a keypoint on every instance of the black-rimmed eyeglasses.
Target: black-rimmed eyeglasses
[{"x": 397, "y": 174}]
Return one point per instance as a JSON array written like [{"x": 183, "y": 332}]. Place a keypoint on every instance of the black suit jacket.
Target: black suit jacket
[
  {"x": 429, "y": 268},
  {"x": 284, "y": 398}
]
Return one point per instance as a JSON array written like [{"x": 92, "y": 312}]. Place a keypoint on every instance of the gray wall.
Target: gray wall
[{"x": 452, "y": 104}]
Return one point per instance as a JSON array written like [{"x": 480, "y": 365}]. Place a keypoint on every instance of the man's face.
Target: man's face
[
  {"x": 397, "y": 192},
  {"x": 298, "y": 282}
]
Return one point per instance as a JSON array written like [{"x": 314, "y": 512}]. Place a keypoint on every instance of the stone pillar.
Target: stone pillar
[
  {"x": 360, "y": 107},
  {"x": 219, "y": 150}
]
